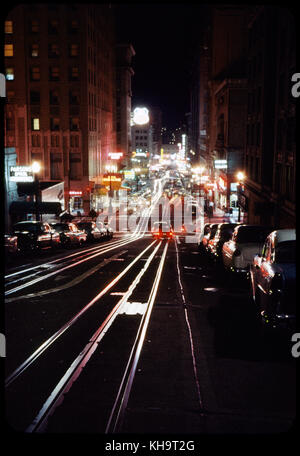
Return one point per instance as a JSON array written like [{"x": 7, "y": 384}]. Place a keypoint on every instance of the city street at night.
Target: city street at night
[{"x": 150, "y": 225}]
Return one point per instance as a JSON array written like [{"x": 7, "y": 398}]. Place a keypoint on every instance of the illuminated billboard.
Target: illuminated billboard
[{"x": 141, "y": 116}]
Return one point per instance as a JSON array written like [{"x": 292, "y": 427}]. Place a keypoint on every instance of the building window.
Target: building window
[
  {"x": 74, "y": 74},
  {"x": 8, "y": 27},
  {"x": 34, "y": 52},
  {"x": 10, "y": 96},
  {"x": 54, "y": 73},
  {"x": 54, "y": 124},
  {"x": 8, "y": 50},
  {"x": 73, "y": 26},
  {"x": 75, "y": 166},
  {"x": 74, "y": 123},
  {"x": 10, "y": 122},
  {"x": 73, "y": 97},
  {"x": 53, "y": 97},
  {"x": 53, "y": 50},
  {"x": 35, "y": 73},
  {"x": 78, "y": 204},
  {"x": 55, "y": 165},
  {"x": 54, "y": 141},
  {"x": 35, "y": 123},
  {"x": 73, "y": 50},
  {"x": 34, "y": 97},
  {"x": 74, "y": 141},
  {"x": 35, "y": 141},
  {"x": 53, "y": 27},
  {"x": 34, "y": 27},
  {"x": 10, "y": 74}
]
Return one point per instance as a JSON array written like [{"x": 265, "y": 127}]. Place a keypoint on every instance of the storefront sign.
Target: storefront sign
[
  {"x": 115, "y": 155},
  {"x": 21, "y": 174},
  {"x": 220, "y": 164},
  {"x": 75, "y": 193}
]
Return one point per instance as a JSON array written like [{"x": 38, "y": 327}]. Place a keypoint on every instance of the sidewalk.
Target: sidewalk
[{"x": 218, "y": 217}]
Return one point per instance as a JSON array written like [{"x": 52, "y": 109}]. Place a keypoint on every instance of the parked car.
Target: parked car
[
  {"x": 109, "y": 230},
  {"x": 162, "y": 230},
  {"x": 69, "y": 234},
  {"x": 95, "y": 232},
  {"x": 273, "y": 279},
  {"x": 223, "y": 234},
  {"x": 246, "y": 241},
  {"x": 10, "y": 243},
  {"x": 209, "y": 236},
  {"x": 35, "y": 235},
  {"x": 204, "y": 232}
]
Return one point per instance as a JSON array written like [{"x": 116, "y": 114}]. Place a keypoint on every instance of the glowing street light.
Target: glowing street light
[
  {"x": 36, "y": 167},
  {"x": 240, "y": 176}
]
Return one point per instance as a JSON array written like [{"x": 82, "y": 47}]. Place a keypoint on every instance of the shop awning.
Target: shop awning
[{"x": 28, "y": 207}]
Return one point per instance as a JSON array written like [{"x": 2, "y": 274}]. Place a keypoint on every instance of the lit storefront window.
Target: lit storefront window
[
  {"x": 10, "y": 74},
  {"x": 8, "y": 27},
  {"x": 8, "y": 50}
]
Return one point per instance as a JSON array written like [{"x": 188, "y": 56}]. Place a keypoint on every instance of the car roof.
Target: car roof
[{"x": 283, "y": 235}]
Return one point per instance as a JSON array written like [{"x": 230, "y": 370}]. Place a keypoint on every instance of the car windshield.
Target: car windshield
[
  {"x": 31, "y": 227},
  {"x": 286, "y": 252},
  {"x": 60, "y": 227},
  {"x": 255, "y": 234}
]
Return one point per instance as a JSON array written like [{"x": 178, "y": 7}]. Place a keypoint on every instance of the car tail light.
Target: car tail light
[{"x": 237, "y": 252}]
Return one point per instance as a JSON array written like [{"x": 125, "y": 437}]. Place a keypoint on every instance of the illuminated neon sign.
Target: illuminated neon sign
[{"x": 141, "y": 116}]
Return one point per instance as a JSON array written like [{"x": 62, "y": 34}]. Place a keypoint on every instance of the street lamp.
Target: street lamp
[{"x": 36, "y": 167}]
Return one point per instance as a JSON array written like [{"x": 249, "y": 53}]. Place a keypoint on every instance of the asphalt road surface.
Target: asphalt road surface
[{"x": 139, "y": 336}]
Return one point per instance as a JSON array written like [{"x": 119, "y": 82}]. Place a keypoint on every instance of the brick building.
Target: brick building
[
  {"x": 270, "y": 152},
  {"x": 124, "y": 73},
  {"x": 60, "y": 111}
]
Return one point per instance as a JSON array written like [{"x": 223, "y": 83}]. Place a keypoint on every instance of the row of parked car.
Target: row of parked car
[
  {"x": 29, "y": 236},
  {"x": 263, "y": 256}
]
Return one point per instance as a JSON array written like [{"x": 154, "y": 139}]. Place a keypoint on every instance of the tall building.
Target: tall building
[
  {"x": 199, "y": 100},
  {"x": 142, "y": 139},
  {"x": 156, "y": 123},
  {"x": 227, "y": 98},
  {"x": 60, "y": 72},
  {"x": 270, "y": 152},
  {"x": 124, "y": 73}
]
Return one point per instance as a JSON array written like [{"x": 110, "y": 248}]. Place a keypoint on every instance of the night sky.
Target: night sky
[{"x": 163, "y": 36}]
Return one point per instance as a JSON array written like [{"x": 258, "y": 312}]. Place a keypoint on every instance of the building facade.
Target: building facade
[
  {"x": 60, "y": 73},
  {"x": 270, "y": 153},
  {"x": 124, "y": 73}
]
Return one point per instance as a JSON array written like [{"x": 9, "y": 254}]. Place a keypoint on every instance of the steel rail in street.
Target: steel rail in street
[
  {"x": 72, "y": 265},
  {"x": 116, "y": 418},
  {"x": 43, "y": 347},
  {"x": 73, "y": 372},
  {"x": 57, "y": 260}
]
